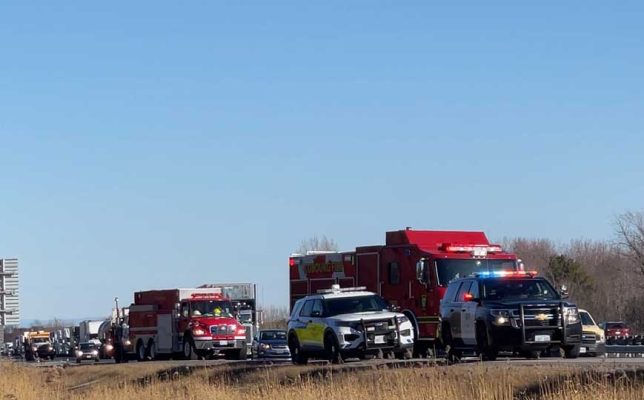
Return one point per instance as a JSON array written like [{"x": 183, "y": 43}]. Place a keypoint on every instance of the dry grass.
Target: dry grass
[{"x": 472, "y": 381}]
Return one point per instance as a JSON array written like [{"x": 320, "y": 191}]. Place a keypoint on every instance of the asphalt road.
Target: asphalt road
[{"x": 581, "y": 361}]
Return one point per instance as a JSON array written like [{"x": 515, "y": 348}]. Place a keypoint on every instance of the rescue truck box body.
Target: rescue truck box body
[
  {"x": 184, "y": 322},
  {"x": 411, "y": 271}
]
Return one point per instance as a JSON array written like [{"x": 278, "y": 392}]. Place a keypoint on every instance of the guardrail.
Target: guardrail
[{"x": 624, "y": 351}]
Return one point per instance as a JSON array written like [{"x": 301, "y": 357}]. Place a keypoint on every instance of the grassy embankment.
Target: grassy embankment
[{"x": 472, "y": 381}]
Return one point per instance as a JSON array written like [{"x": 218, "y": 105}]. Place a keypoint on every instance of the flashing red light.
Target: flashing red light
[
  {"x": 507, "y": 274},
  {"x": 292, "y": 262},
  {"x": 468, "y": 297},
  {"x": 213, "y": 296},
  {"x": 471, "y": 248}
]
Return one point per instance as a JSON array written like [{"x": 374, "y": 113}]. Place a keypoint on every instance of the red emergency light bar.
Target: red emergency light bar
[
  {"x": 471, "y": 248},
  {"x": 212, "y": 296}
]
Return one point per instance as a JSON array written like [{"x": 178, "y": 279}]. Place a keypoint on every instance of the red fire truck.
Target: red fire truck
[
  {"x": 186, "y": 323},
  {"x": 411, "y": 271}
]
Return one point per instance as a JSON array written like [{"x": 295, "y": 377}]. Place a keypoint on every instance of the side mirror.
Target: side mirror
[
  {"x": 564, "y": 291},
  {"x": 394, "y": 308}
]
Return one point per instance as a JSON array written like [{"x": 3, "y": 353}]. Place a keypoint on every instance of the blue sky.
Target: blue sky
[{"x": 160, "y": 144}]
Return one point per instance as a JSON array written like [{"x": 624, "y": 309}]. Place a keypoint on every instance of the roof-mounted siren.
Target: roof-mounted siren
[
  {"x": 335, "y": 288},
  {"x": 477, "y": 250}
]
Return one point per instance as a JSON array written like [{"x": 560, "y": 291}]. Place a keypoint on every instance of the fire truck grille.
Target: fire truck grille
[{"x": 222, "y": 330}]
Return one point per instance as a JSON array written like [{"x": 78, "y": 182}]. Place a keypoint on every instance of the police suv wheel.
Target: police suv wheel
[
  {"x": 332, "y": 349},
  {"x": 296, "y": 353}
]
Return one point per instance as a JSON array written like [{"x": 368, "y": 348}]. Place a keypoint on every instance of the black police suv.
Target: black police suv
[{"x": 512, "y": 311}]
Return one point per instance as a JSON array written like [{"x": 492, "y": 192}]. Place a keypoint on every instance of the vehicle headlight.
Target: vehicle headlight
[
  {"x": 109, "y": 347},
  {"x": 34, "y": 348},
  {"x": 501, "y": 317},
  {"x": 265, "y": 346},
  {"x": 198, "y": 331},
  {"x": 94, "y": 352},
  {"x": 572, "y": 315},
  {"x": 128, "y": 343},
  {"x": 79, "y": 353},
  {"x": 402, "y": 319},
  {"x": 349, "y": 324}
]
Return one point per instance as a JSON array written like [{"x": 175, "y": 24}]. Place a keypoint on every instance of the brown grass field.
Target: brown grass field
[{"x": 468, "y": 381}]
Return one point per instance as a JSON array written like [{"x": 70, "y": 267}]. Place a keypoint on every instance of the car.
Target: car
[
  {"x": 593, "y": 341},
  {"x": 615, "y": 330},
  {"x": 270, "y": 343},
  {"x": 87, "y": 351},
  {"x": 513, "y": 311},
  {"x": 341, "y": 323}
]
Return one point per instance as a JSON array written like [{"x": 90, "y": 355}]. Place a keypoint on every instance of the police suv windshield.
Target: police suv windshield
[
  {"x": 355, "y": 304},
  {"x": 211, "y": 308},
  {"x": 450, "y": 269},
  {"x": 517, "y": 289}
]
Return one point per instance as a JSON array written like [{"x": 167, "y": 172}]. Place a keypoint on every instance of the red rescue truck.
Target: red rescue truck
[
  {"x": 187, "y": 323},
  {"x": 411, "y": 271}
]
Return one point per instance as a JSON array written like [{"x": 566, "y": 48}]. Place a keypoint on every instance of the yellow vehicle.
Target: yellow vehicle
[
  {"x": 38, "y": 345},
  {"x": 593, "y": 341}
]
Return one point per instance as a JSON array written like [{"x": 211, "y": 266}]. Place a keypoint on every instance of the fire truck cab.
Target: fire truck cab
[
  {"x": 411, "y": 271},
  {"x": 188, "y": 323}
]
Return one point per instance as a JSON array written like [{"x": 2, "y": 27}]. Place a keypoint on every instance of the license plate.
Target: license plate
[
  {"x": 582, "y": 349},
  {"x": 223, "y": 342},
  {"x": 379, "y": 339},
  {"x": 541, "y": 338}
]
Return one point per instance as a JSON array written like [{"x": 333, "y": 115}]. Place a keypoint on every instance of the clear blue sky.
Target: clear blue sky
[{"x": 160, "y": 144}]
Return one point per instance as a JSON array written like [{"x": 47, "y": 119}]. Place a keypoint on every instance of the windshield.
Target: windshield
[
  {"x": 211, "y": 308},
  {"x": 615, "y": 325},
  {"x": 273, "y": 335},
  {"x": 585, "y": 318},
  {"x": 87, "y": 346},
  {"x": 245, "y": 318},
  {"x": 358, "y": 304},
  {"x": 518, "y": 289},
  {"x": 40, "y": 340},
  {"x": 450, "y": 269}
]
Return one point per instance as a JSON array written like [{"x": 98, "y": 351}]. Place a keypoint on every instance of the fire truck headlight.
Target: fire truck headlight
[{"x": 198, "y": 331}]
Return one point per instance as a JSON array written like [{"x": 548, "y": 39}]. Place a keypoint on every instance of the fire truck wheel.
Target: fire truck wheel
[
  {"x": 332, "y": 348},
  {"x": 140, "y": 352},
  {"x": 189, "y": 352},
  {"x": 152, "y": 350},
  {"x": 240, "y": 354}
]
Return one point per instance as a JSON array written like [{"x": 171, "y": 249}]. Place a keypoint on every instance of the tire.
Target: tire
[
  {"x": 404, "y": 355},
  {"x": 152, "y": 350},
  {"x": 297, "y": 356},
  {"x": 453, "y": 355},
  {"x": 486, "y": 350},
  {"x": 141, "y": 353},
  {"x": 571, "y": 351},
  {"x": 332, "y": 349},
  {"x": 189, "y": 351},
  {"x": 241, "y": 354},
  {"x": 78, "y": 361},
  {"x": 530, "y": 354}
]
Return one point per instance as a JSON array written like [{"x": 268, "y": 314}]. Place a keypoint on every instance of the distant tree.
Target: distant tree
[
  {"x": 535, "y": 253},
  {"x": 563, "y": 270},
  {"x": 316, "y": 243},
  {"x": 630, "y": 237}
]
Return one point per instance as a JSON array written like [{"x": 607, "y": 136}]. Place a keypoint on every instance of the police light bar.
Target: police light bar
[
  {"x": 337, "y": 289},
  {"x": 505, "y": 274}
]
